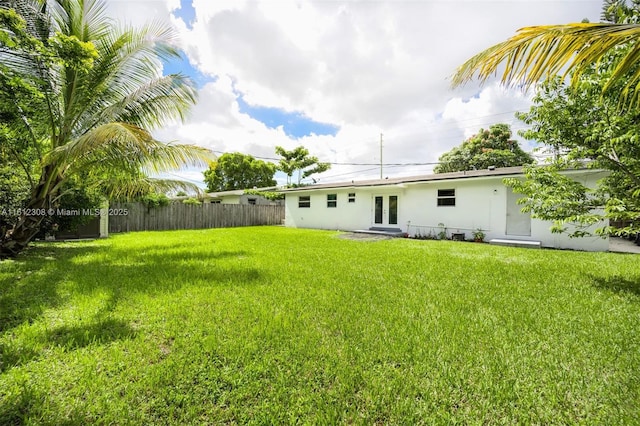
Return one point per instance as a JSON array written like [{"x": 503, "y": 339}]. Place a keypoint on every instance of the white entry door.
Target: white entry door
[
  {"x": 518, "y": 223},
  {"x": 385, "y": 210}
]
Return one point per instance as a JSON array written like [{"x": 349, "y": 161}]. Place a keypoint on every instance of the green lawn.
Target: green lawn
[{"x": 271, "y": 325}]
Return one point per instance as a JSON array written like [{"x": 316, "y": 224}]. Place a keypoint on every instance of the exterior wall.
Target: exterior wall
[
  {"x": 242, "y": 199},
  {"x": 230, "y": 199},
  {"x": 260, "y": 200},
  {"x": 344, "y": 217},
  {"x": 480, "y": 203}
]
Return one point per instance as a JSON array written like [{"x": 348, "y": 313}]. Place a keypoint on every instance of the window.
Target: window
[
  {"x": 304, "y": 201},
  {"x": 446, "y": 197},
  {"x": 332, "y": 200},
  {"x": 252, "y": 201},
  {"x": 352, "y": 197},
  {"x": 215, "y": 201}
]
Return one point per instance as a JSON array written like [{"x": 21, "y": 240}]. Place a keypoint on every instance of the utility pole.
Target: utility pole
[{"x": 380, "y": 155}]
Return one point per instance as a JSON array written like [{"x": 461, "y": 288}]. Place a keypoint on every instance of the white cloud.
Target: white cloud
[{"x": 367, "y": 66}]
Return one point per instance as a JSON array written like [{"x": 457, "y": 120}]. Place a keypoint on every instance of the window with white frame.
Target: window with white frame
[
  {"x": 446, "y": 197},
  {"x": 351, "y": 198},
  {"x": 332, "y": 200}
]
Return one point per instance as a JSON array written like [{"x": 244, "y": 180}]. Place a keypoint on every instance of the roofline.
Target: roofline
[
  {"x": 502, "y": 171},
  {"x": 238, "y": 192}
]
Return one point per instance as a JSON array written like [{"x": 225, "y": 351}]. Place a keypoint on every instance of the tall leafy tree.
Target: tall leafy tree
[
  {"x": 239, "y": 171},
  {"x": 580, "y": 128},
  {"x": 594, "y": 120},
  {"x": 87, "y": 94},
  {"x": 540, "y": 53},
  {"x": 299, "y": 160},
  {"x": 490, "y": 147}
]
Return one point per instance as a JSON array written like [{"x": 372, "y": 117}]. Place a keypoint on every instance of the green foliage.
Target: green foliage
[
  {"x": 272, "y": 325},
  {"x": 555, "y": 197},
  {"x": 76, "y": 197},
  {"x": 478, "y": 235},
  {"x": 238, "y": 171},
  {"x": 192, "y": 201},
  {"x": 155, "y": 200},
  {"x": 298, "y": 159},
  {"x": 491, "y": 147},
  {"x": 72, "y": 53},
  {"x": 82, "y": 94},
  {"x": 14, "y": 192},
  {"x": 578, "y": 127},
  {"x": 181, "y": 194},
  {"x": 269, "y": 195}
]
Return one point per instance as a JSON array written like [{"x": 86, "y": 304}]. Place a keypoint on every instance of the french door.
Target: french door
[{"x": 385, "y": 209}]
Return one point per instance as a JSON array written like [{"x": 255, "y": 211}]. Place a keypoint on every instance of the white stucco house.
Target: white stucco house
[
  {"x": 237, "y": 196},
  {"x": 457, "y": 203}
]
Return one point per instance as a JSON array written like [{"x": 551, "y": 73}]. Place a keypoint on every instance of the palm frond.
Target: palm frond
[
  {"x": 126, "y": 147},
  {"x": 84, "y": 19},
  {"x": 125, "y": 81},
  {"x": 152, "y": 103},
  {"x": 541, "y": 52},
  {"x": 124, "y": 188}
]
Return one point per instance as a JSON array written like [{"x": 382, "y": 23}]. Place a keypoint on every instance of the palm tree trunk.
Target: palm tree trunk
[{"x": 22, "y": 233}]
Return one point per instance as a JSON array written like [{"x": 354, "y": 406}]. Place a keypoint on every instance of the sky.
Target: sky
[{"x": 340, "y": 76}]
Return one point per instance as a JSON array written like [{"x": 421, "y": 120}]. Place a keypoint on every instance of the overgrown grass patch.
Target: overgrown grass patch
[{"x": 271, "y": 325}]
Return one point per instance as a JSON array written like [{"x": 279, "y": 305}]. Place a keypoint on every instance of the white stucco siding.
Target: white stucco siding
[
  {"x": 475, "y": 204},
  {"x": 480, "y": 203},
  {"x": 345, "y": 216},
  {"x": 562, "y": 241}
]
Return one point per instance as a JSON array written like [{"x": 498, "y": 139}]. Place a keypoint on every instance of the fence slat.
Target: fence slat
[{"x": 187, "y": 216}]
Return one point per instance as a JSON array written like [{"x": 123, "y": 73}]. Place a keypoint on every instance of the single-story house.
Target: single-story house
[
  {"x": 239, "y": 196},
  {"x": 454, "y": 203}
]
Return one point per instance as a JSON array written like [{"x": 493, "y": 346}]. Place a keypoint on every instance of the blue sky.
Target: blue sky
[
  {"x": 182, "y": 65},
  {"x": 334, "y": 75},
  {"x": 295, "y": 124}
]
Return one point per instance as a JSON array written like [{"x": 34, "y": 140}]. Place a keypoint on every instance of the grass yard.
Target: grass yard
[{"x": 270, "y": 325}]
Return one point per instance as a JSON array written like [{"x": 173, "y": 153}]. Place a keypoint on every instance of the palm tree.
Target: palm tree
[
  {"x": 539, "y": 53},
  {"x": 98, "y": 93}
]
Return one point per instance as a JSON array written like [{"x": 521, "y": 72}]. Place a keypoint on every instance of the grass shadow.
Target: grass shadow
[
  {"x": 14, "y": 356},
  {"x": 29, "y": 285},
  {"x": 618, "y": 284},
  {"x": 69, "y": 337},
  {"x": 48, "y": 276},
  {"x": 100, "y": 333}
]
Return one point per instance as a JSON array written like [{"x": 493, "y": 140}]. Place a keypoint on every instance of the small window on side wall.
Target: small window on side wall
[
  {"x": 304, "y": 201},
  {"x": 332, "y": 200},
  {"x": 446, "y": 197},
  {"x": 352, "y": 197}
]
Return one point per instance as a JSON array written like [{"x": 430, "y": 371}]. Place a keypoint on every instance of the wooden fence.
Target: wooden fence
[{"x": 129, "y": 217}]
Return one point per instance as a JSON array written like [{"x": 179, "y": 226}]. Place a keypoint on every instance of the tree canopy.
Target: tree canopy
[
  {"x": 239, "y": 171},
  {"x": 540, "y": 53},
  {"x": 580, "y": 128},
  {"x": 85, "y": 92},
  {"x": 299, "y": 159},
  {"x": 490, "y": 147}
]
